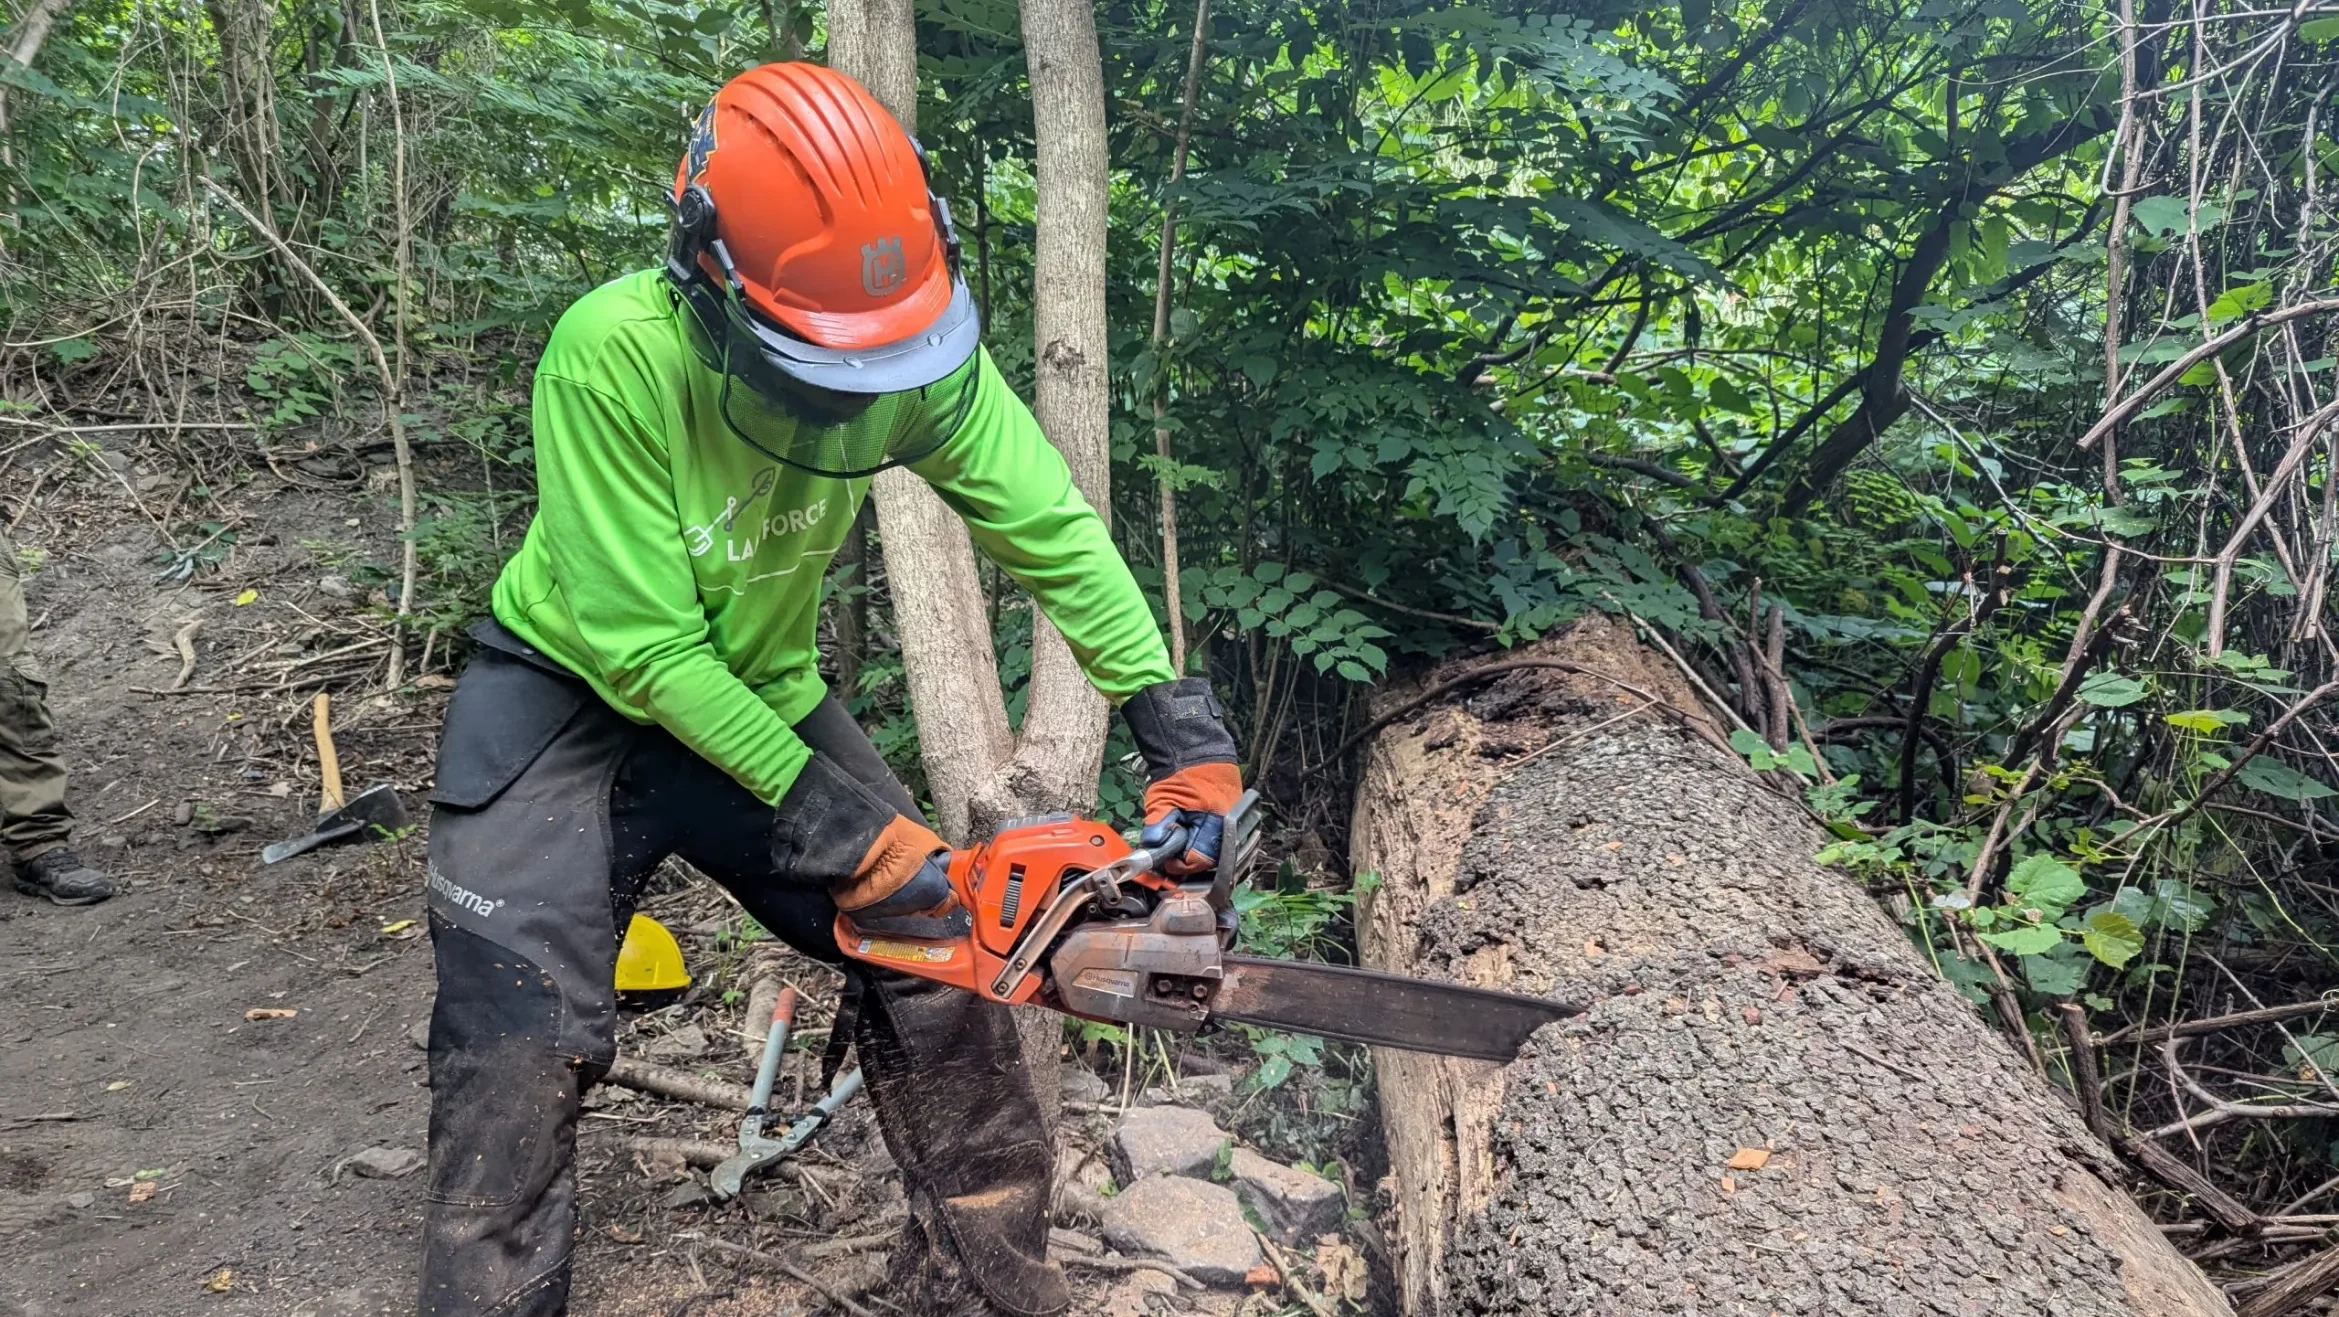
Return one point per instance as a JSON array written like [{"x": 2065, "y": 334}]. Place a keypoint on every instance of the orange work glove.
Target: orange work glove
[
  {"x": 886, "y": 870},
  {"x": 1190, "y": 763}
]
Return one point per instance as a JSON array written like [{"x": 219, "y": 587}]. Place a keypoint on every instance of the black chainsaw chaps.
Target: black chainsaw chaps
[
  {"x": 962, "y": 1119},
  {"x": 503, "y": 1121}
]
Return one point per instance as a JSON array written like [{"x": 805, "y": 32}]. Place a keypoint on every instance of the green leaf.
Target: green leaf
[
  {"x": 2207, "y": 722},
  {"x": 2111, "y": 937},
  {"x": 2234, "y": 303},
  {"x": 73, "y": 349},
  {"x": 2125, "y": 521},
  {"x": 1748, "y": 742},
  {"x": 2031, "y": 940},
  {"x": 2110, "y": 690},
  {"x": 2178, "y": 905},
  {"x": 2161, "y": 216},
  {"x": 1271, "y": 1072},
  {"x": 2055, "y": 975},
  {"x": 2312, "y": 1055},
  {"x": 2045, "y": 883},
  {"x": 2319, "y": 29},
  {"x": 2275, "y": 778}
]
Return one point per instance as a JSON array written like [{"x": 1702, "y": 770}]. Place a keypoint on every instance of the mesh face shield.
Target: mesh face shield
[{"x": 782, "y": 395}]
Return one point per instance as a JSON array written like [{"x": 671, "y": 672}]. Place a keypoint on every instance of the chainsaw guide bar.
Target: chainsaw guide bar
[{"x": 1381, "y": 1010}]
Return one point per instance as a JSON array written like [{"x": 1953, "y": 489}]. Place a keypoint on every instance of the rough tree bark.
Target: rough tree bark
[
  {"x": 1057, "y": 757},
  {"x": 980, "y": 772},
  {"x": 1893, "y": 1155}
]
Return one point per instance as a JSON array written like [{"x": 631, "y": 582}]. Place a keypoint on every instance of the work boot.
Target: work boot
[{"x": 63, "y": 877}]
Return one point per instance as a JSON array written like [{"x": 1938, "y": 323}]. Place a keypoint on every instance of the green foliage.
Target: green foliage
[{"x": 1482, "y": 316}]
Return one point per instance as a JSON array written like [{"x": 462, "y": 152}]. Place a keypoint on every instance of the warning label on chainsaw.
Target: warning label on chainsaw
[{"x": 915, "y": 952}]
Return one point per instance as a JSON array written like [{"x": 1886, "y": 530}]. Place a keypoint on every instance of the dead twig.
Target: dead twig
[
  {"x": 1099, "y": 1262},
  {"x": 185, "y": 642},
  {"x": 790, "y": 1270},
  {"x": 625, "y": 1072},
  {"x": 1292, "y": 1284},
  {"x": 2218, "y": 1023}
]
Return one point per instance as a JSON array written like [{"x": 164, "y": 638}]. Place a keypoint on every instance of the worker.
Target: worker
[
  {"x": 704, "y": 434},
  {"x": 33, "y": 819}
]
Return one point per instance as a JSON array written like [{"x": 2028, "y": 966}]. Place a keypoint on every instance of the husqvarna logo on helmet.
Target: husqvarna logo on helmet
[
  {"x": 883, "y": 267},
  {"x": 702, "y": 143}
]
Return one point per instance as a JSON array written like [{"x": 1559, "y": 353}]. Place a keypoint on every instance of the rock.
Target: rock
[
  {"x": 689, "y": 1193},
  {"x": 419, "y": 1035},
  {"x": 113, "y": 841},
  {"x": 1206, "y": 1087},
  {"x": 1143, "y": 1294},
  {"x": 1193, "y": 1225},
  {"x": 773, "y": 1204},
  {"x": 1190, "y": 1089},
  {"x": 336, "y": 585},
  {"x": 1156, "y": 1141},
  {"x": 81, "y": 1201},
  {"x": 687, "y": 1043},
  {"x": 1293, "y": 1204},
  {"x": 384, "y": 1163},
  {"x": 1082, "y": 1084},
  {"x": 183, "y": 813}
]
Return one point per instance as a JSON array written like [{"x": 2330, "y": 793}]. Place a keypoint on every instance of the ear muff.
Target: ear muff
[
  {"x": 935, "y": 203},
  {"x": 690, "y": 234}
]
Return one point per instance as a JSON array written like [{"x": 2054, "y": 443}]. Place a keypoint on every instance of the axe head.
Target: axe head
[{"x": 371, "y": 813}]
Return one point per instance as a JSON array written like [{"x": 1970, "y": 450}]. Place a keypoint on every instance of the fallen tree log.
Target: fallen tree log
[{"x": 1775, "y": 1105}]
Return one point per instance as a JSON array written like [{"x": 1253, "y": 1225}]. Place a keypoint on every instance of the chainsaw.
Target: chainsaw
[{"x": 1070, "y": 916}]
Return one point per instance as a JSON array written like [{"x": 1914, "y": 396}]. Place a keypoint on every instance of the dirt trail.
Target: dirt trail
[
  {"x": 130, "y": 1060},
  {"x": 162, "y": 1153}
]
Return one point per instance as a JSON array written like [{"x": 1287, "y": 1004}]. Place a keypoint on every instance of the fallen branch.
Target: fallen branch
[
  {"x": 2294, "y": 1285},
  {"x": 2201, "y": 352},
  {"x": 786, "y": 1268},
  {"x": 2218, "y": 1023},
  {"x": 1292, "y": 1284},
  {"x": 665, "y": 1081},
  {"x": 2167, "y": 1168},
  {"x": 1098, "y": 1262}
]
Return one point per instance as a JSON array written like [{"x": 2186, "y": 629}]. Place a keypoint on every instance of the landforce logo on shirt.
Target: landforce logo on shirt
[
  {"x": 741, "y": 547},
  {"x": 462, "y": 898}
]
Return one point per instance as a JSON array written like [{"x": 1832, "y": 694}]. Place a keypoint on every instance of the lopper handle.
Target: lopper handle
[{"x": 775, "y": 1045}]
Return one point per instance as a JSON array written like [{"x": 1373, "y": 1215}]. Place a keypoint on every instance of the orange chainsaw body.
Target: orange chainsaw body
[{"x": 1007, "y": 883}]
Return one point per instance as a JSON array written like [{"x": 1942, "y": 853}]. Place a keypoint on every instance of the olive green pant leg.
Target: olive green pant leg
[{"x": 33, "y": 817}]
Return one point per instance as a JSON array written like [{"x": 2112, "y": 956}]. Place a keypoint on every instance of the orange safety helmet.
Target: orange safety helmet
[{"x": 821, "y": 268}]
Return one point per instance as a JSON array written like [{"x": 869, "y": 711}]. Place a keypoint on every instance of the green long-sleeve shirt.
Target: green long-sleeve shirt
[{"x": 678, "y": 570}]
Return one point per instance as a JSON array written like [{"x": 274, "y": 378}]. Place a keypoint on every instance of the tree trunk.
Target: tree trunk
[
  {"x": 24, "y": 45},
  {"x": 1748, "y": 1008},
  {"x": 937, "y": 595},
  {"x": 1063, "y": 736},
  {"x": 980, "y": 772}
]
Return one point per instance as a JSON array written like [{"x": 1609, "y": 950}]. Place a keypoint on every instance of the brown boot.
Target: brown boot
[{"x": 962, "y": 1118}]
